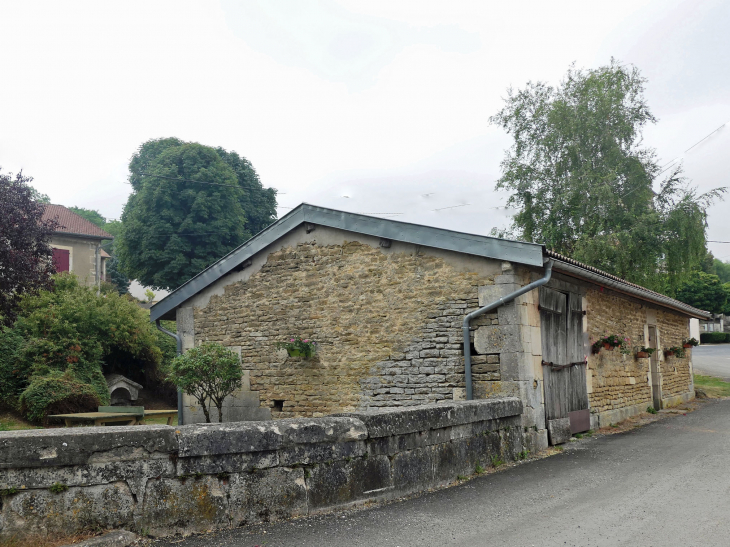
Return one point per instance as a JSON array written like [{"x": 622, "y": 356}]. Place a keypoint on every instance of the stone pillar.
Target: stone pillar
[{"x": 517, "y": 340}]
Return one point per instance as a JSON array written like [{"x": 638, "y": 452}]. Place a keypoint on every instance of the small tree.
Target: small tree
[
  {"x": 209, "y": 371},
  {"x": 25, "y": 250}
]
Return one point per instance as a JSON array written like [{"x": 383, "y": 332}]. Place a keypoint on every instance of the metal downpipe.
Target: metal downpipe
[
  {"x": 489, "y": 307},
  {"x": 178, "y": 340}
]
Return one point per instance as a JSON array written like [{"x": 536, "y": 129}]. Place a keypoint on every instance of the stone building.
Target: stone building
[
  {"x": 76, "y": 245},
  {"x": 386, "y": 303}
]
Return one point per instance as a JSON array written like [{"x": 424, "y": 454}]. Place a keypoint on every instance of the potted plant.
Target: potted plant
[
  {"x": 674, "y": 350},
  {"x": 610, "y": 341},
  {"x": 690, "y": 342},
  {"x": 298, "y": 347},
  {"x": 644, "y": 352}
]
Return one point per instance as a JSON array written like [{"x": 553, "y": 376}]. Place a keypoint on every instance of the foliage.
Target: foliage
[
  {"x": 92, "y": 215},
  {"x": 722, "y": 270},
  {"x": 715, "y": 337},
  {"x": 298, "y": 347},
  {"x": 713, "y": 387},
  {"x": 209, "y": 372},
  {"x": 149, "y": 295},
  {"x": 613, "y": 340},
  {"x": 58, "y": 487},
  {"x": 68, "y": 335},
  {"x": 651, "y": 410},
  {"x": 690, "y": 342},
  {"x": 705, "y": 291},
  {"x": 25, "y": 252},
  {"x": 13, "y": 371},
  {"x": 644, "y": 349},
  {"x": 120, "y": 281},
  {"x": 677, "y": 351},
  {"x": 173, "y": 228},
  {"x": 583, "y": 183},
  {"x": 259, "y": 203},
  {"x": 59, "y": 393},
  {"x": 40, "y": 198}
]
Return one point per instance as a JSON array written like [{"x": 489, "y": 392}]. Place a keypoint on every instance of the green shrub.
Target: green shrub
[
  {"x": 58, "y": 393},
  {"x": 209, "y": 372},
  {"x": 715, "y": 337},
  {"x": 69, "y": 337},
  {"x": 14, "y": 371}
]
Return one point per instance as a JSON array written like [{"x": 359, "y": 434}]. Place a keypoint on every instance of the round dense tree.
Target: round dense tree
[
  {"x": 191, "y": 205},
  {"x": 584, "y": 185},
  {"x": 25, "y": 251},
  {"x": 184, "y": 213}
]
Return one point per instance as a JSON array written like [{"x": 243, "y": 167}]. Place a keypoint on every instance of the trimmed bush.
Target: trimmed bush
[
  {"x": 715, "y": 337},
  {"x": 57, "y": 393}
]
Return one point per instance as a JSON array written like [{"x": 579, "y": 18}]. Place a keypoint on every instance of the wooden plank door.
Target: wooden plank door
[{"x": 564, "y": 368}]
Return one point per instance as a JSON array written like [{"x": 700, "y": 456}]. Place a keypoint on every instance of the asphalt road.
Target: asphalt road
[
  {"x": 664, "y": 484},
  {"x": 712, "y": 361}
]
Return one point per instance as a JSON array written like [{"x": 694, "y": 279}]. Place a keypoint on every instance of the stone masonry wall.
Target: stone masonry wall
[
  {"x": 676, "y": 371},
  {"x": 616, "y": 380},
  {"x": 165, "y": 480},
  {"x": 388, "y": 325}
]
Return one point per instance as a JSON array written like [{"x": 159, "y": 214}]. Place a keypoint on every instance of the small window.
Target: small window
[{"x": 278, "y": 405}]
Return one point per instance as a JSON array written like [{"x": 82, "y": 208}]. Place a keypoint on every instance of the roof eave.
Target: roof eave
[{"x": 530, "y": 254}]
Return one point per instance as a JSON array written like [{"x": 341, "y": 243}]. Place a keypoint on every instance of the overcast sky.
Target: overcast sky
[{"x": 376, "y": 106}]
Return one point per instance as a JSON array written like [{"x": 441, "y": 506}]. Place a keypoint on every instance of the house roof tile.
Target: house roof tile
[{"x": 71, "y": 223}]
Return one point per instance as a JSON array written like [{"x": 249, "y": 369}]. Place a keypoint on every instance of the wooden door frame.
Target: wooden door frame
[{"x": 655, "y": 376}]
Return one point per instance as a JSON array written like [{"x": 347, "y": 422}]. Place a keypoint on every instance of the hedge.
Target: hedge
[{"x": 715, "y": 337}]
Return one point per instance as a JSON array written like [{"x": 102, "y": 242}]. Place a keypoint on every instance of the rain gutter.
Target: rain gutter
[{"x": 489, "y": 307}]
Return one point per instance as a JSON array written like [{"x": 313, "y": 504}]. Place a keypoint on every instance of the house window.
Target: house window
[{"x": 61, "y": 260}]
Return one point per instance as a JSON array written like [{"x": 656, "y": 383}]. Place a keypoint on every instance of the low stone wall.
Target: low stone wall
[{"x": 162, "y": 480}]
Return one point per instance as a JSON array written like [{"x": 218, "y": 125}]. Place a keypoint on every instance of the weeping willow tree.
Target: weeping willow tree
[{"x": 584, "y": 185}]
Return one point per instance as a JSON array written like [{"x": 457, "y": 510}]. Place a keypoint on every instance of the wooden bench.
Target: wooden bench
[{"x": 119, "y": 415}]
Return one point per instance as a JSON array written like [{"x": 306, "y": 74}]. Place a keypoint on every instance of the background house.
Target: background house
[
  {"x": 77, "y": 245},
  {"x": 386, "y": 301}
]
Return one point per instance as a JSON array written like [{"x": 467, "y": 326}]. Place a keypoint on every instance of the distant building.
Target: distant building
[{"x": 77, "y": 245}]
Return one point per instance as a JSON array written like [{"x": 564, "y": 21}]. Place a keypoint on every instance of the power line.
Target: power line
[
  {"x": 712, "y": 241},
  {"x": 452, "y": 207},
  {"x": 178, "y": 179}
]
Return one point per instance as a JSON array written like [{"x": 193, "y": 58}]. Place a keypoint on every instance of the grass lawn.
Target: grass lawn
[
  {"x": 714, "y": 387},
  {"x": 12, "y": 422}
]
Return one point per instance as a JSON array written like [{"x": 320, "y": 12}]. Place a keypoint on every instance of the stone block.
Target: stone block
[
  {"x": 412, "y": 470},
  {"x": 199, "y": 440},
  {"x": 266, "y": 495},
  {"x": 77, "y": 446},
  {"x": 117, "y": 538},
  {"x": 559, "y": 431},
  {"x": 536, "y": 441},
  {"x": 344, "y": 482},
  {"x": 498, "y": 339},
  {"x": 516, "y": 366},
  {"x": 508, "y": 314},
  {"x": 386, "y": 422},
  {"x": 490, "y": 293},
  {"x": 41, "y": 512}
]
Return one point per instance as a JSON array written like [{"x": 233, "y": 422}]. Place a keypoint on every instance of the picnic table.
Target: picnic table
[{"x": 120, "y": 415}]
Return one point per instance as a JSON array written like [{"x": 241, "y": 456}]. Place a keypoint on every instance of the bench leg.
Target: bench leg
[
  {"x": 169, "y": 420},
  {"x": 69, "y": 423}
]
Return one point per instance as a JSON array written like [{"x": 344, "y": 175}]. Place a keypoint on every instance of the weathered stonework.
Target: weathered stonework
[
  {"x": 388, "y": 326},
  {"x": 617, "y": 381},
  {"x": 167, "y": 480}
]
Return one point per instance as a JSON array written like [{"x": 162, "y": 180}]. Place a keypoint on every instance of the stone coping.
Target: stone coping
[{"x": 83, "y": 445}]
